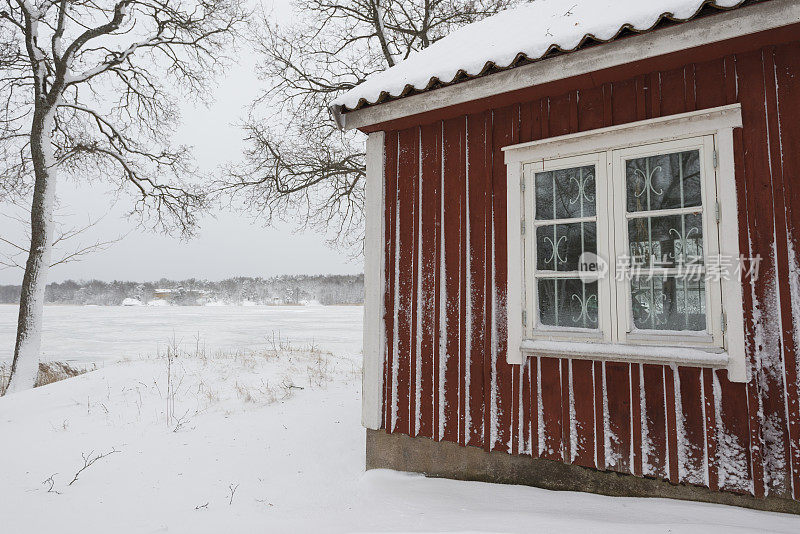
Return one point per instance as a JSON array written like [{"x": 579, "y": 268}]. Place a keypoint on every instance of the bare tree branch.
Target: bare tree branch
[
  {"x": 297, "y": 165},
  {"x": 11, "y": 259}
]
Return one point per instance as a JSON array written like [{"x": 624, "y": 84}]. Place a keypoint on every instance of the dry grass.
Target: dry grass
[
  {"x": 49, "y": 372},
  {"x": 195, "y": 378}
]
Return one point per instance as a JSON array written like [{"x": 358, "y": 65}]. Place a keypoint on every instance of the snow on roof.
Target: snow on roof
[{"x": 530, "y": 31}]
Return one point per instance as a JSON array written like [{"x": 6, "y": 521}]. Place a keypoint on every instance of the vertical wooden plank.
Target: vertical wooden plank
[
  {"x": 503, "y": 132},
  {"x": 526, "y": 407},
  {"x": 673, "y": 92},
  {"x": 636, "y": 419},
  {"x": 654, "y": 97},
  {"x": 690, "y": 87},
  {"x": 654, "y": 424},
  {"x": 516, "y": 408},
  {"x": 551, "y": 430},
  {"x": 733, "y": 436},
  {"x": 391, "y": 275},
  {"x": 476, "y": 275},
  {"x": 672, "y": 431},
  {"x": 620, "y": 99},
  {"x": 583, "y": 448},
  {"x": 711, "y": 429},
  {"x": 618, "y": 392},
  {"x": 787, "y": 65},
  {"x": 590, "y": 109},
  {"x": 453, "y": 151},
  {"x": 463, "y": 375},
  {"x": 439, "y": 285},
  {"x": 709, "y": 79},
  {"x": 565, "y": 366},
  {"x": 535, "y": 408},
  {"x": 692, "y": 439},
  {"x": 559, "y": 115},
  {"x": 526, "y": 122},
  {"x": 430, "y": 178},
  {"x": 598, "y": 370},
  {"x": 415, "y": 358},
  {"x": 573, "y": 111},
  {"x": 489, "y": 345},
  {"x": 407, "y": 175}
]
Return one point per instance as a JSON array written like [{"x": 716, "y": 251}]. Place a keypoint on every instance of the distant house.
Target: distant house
[
  {"x": 162, "y": 293},
  {"x": 580, "y": 251}
]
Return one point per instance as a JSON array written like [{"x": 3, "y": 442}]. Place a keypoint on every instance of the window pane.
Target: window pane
[
  {"x": 559, "y": 246},
  {"x": 669, "y": 303},
  {"x": 567, "y": 302},
  {"x": 565, "y": 194},
  {"x": 666, "y": 241},
  {"x": 664, "y": 182}
]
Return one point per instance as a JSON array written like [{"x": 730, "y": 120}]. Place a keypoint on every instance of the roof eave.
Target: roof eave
[{"x": 697, "y": 32}]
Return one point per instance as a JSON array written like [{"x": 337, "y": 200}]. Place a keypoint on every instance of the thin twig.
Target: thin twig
[{"x": 88, "y": 461}]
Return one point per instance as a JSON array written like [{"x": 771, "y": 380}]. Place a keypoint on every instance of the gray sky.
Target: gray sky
[{"x": 228, "y": 244}]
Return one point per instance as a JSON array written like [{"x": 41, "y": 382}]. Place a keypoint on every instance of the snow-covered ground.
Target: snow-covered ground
[
  {"x": 98, "y": 334},
  {"x": 264, "y": 442}
]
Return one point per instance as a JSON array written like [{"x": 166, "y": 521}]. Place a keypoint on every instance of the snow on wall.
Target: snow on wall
[
  {"x": 692, "y": 426},
  {"x": 647, "y": 444},
  {"x": 794, "y": 292},
  {"x": 530, "y": 31}
]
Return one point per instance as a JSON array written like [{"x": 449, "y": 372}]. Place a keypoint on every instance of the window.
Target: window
[{"x": 621, "y": 238}]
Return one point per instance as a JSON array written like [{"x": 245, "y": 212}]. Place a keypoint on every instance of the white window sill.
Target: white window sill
[{"x": 690, "y": 356}]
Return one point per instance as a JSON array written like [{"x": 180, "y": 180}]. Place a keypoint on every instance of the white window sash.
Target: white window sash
[
  {"x": 626, "y": 331},
  {"x": 604, "y": 295}
]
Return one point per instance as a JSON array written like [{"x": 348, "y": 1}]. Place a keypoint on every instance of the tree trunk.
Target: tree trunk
[{"x": 25, "y": 366}]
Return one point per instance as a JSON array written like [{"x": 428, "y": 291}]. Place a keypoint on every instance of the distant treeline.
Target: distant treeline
[{"x": 325, "y": 289}]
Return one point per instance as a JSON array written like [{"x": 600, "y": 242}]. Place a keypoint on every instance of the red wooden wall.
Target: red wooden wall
[{"x": 445, "y": 372}]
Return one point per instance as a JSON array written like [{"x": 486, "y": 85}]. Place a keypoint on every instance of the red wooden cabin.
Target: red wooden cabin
[{"x": 662, "y": 137}]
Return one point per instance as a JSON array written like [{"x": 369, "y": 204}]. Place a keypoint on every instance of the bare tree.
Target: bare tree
[
  {"x": 297, "y": 163},
  {"x": 89, "y": 90}
]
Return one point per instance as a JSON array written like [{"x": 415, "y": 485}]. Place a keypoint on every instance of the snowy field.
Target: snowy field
[{"x": 99, "y": 334}]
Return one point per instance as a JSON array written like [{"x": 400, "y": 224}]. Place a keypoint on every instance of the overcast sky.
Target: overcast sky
[{"x": 228, "y": 244}]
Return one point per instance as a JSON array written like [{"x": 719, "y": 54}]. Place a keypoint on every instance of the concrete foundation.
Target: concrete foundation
[{"x": 449, "y": 460}]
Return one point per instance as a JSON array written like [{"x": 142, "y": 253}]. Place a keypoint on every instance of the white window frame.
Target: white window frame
[{"x": 722, "y": 344}]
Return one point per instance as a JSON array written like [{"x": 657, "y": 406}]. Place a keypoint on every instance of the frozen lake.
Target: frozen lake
[{"x": 96, "y": 334}]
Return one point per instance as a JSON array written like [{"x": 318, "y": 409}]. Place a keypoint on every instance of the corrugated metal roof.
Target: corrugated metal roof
[{"x": 519, "y": 36}]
